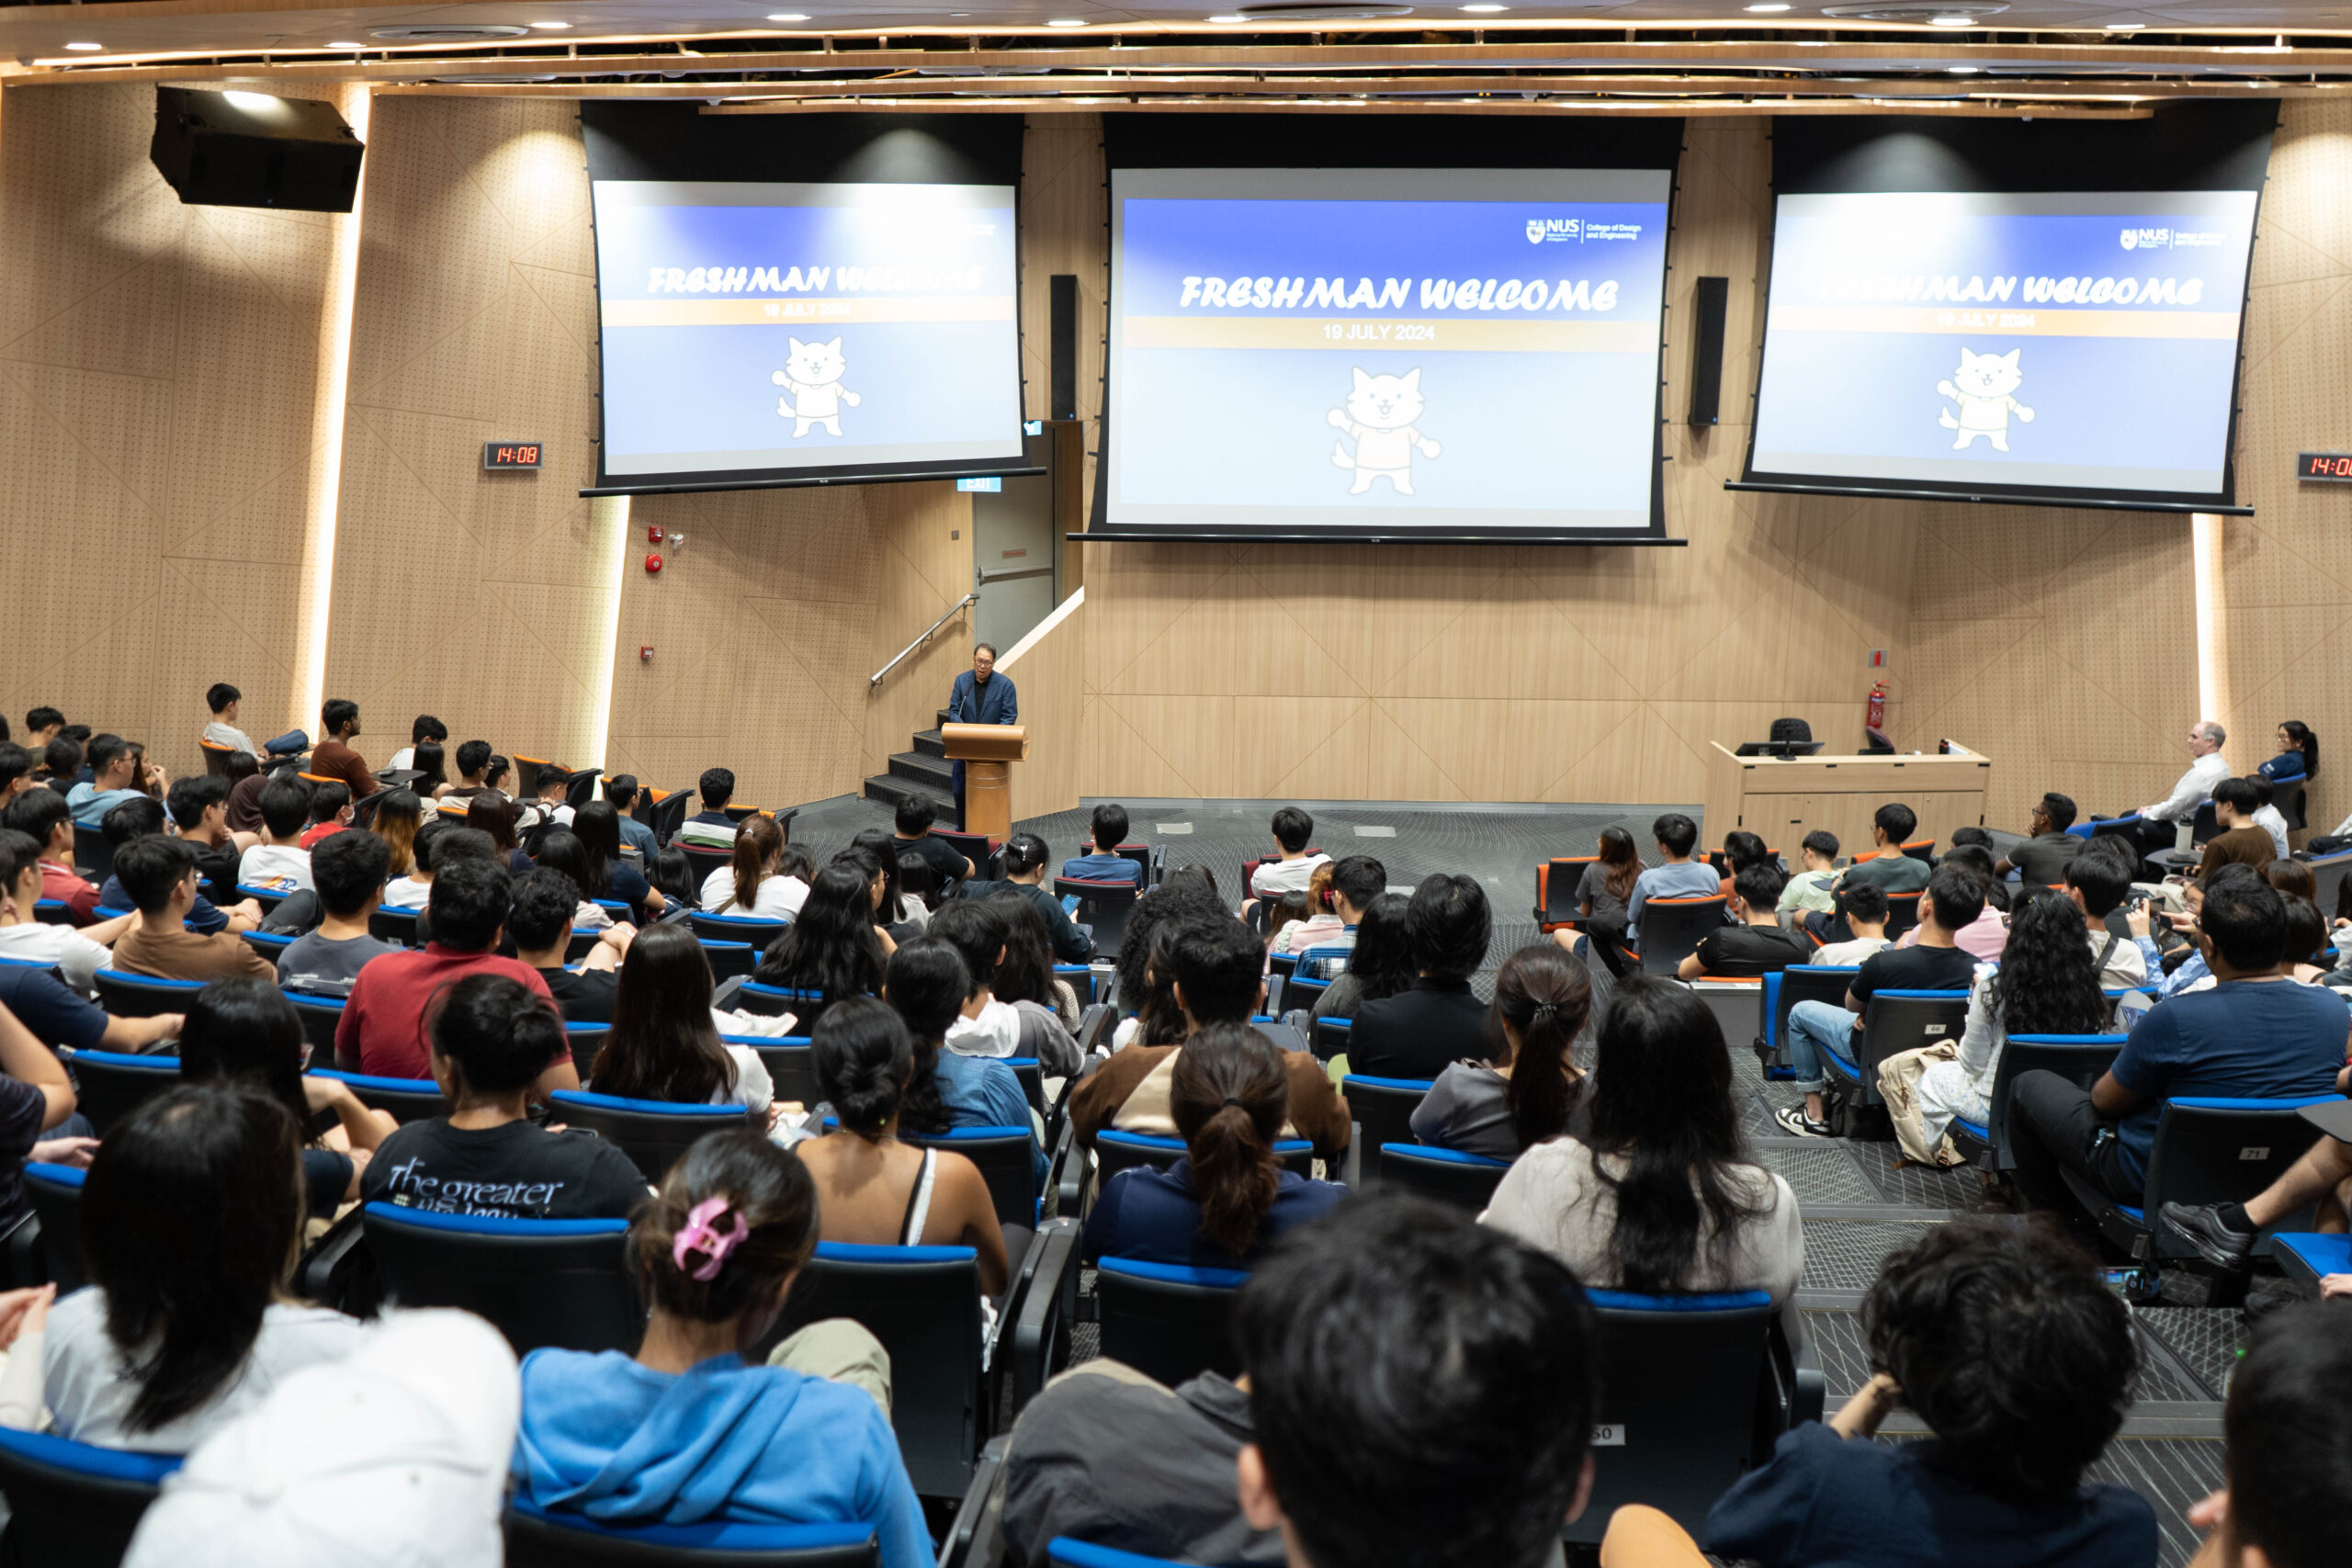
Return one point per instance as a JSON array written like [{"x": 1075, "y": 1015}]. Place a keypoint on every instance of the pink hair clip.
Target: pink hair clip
[{"x": 700, "y": 1236}]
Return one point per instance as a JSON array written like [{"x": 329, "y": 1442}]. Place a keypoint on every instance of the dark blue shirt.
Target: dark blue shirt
[
  {"x": 47, "y": 1006},
  {"x": 204, "y": 917},
  {"x": 2250, "y": 1040},
  {"x": 1153, "y": 1216},
  {"x": 970, "y": 703},
  {"x": 1827, "y": 1502},
  {"x": 1102, "y": 867},
  {"x": 2285, "y": 768}
]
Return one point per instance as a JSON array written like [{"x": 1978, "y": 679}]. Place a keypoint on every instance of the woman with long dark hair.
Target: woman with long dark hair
[
  {"x": 1228, "y": 1196},
  {"x": 431, "y": 761},
  {"x": 832, "y": 947},
  {"x": 1604, "y": 901},
  {"x": 492, "y": 813},
  {"x": 598, "y": 827},
  {"x": 1660, "y": 1197},
  {"x": 399, "y": 815},
  {"x": 664, "y": 1045},
  {"x": 191, "y": 1219},
  {"x": 2298, "y": 757},
  {"x": 2047, "y": 983},
  {"x": 902, "y": 917},
  {"x": 246, "y": 1031},
  {"x": 560, "y": 850},
  {"x": 1381, "y": 963},
  {"x": 929, "y": 986},
  {"x": 1026, "y": 972},
  {"x": 756, "y": 882},
  {"x": 1527, "y": 1090},
  {"x": 1187, "y": 895}
]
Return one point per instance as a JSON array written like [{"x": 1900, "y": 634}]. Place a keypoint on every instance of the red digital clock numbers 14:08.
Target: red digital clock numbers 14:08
[
  {"x": 2323, "y": 465},
  {"x": 510, "y": 454}
]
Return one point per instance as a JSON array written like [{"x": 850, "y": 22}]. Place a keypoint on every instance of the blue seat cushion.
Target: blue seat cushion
[
  {"x": 724, "y": 1535},
  {"x": 1176, "y": 1273},
  {"x": 1975, "y": 1130},
  {"x": 2321, "y": 1254},
  {"x": 493, "y": 1225}
]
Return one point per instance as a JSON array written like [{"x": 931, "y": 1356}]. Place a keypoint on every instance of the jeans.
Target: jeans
[
  {"x": 1814, "y": 1027},
  {"x": 2057, "y": 1127}
]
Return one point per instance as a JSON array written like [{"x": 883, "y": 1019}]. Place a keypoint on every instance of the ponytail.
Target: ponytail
[
  {"x": 732, "y": 1223},
  {"x": 1545, "y": 996},
  {"x": 757, "y": 839},
  {"x": 1230, "y": 1095}
]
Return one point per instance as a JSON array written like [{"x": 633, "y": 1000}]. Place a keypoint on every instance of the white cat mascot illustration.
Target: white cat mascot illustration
[
  {"x": 1984, "y": 384},
  {"x": 812, "y": 378},
  {"x": 1379, "y": 417}
]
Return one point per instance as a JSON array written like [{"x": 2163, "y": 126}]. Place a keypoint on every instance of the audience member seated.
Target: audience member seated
[
  {"x": 223, "y": 700},
  {"x": 711, "y": 827},
  {"x": 1023, "y": 857},
  {"x": 1025, "y": 972},
  {"x": 492, "y": 1039},
  {"x": 977, "y": 930},
  {"x": 383, "y": 1028},
  {"x": 279, "y": 861},
  {"x": 2048, "y": 848},
  {"x": 159, "y": 874},
  {"x": 41, "y": 726},
  {"x": 488, "y": 812},
  {"x": 2097, "y": 884},
  {"x": 63, "y": 1019},
  {"x": 1188, "y": 894},
  {"x": 1758, "y": 944},
  {"x": 872, "y": 1189},
  {"x": 2255, "y": 1035},
  {"x": 901, "y": 919},
  {"x": 930, "y": 986},
  {"x": 1741, "y": 850},
  {"x": 2268, "y": 816},
  {"x": 1212, "y": 969},
  {"x": 2288, "y": 1424},
  {"x": 1863, "y": 908},
  {"x": 398, "y": 817},
  {"x": 2007, "y": 1344},
  {"x": 331, "y": 813},
  {"x": 42, "y": 816},
  {"x": 410, "y": 891},
  {"x": 1436, "y": 1020},
  {"x": 664, "y": 1043},
  {"x": 831, "y": 947},
  {"x": 1291, "y": 871},
  {"x": 348, "y": 870},
  {"x": 1808, "y": 890},
  {"x": 1984, "y": 937},
  {"x": 2298, "y": 755},
  {"x": 1299, "y": 917},
  {"x": 36, "y": 1098},
  {"x": 756, "y": 883},
  {"x": 119, "y": 771},
  {"x": 245, "y": 1031},
  {"x": 143, "y": 817},
  {"x": 598, "y": 827},
  {"x": 1952, "y": 900},
  {"x": 332, "y": 758},
  {"x": 2239, "y": 841},
  {"x": 1527, "y": 1090},
  {"x": 2183, "y": 968},
  {"x": 540, "y": 921},
  {"x": 1380, "y": 963},
  {"x": 198, "y": 805},
  {"x": 1891, "y": 828},
  {"x": 78, "y": 953},
  {"x": 61, "y": 761},
  {"x": 424, "y": 731},
  {"x": 1110, "y": 830},
  {"x": 685, "y": 1432},
  {"x": 1220, "y": 1205},
  {"x": 912, "y": 821},
  {"x": 473, "y": 759},
  {"x": 2047, "y": 982},
  {"x": 1617, "y": 1206},
  {"x": 430, "y": 760},
  {"x": 549, "y": 803},
  {"x": 1422, "y": 1391},
  {"x": 1353, "y": 882},
  {"x": 560, "y": 850},
  {"x": 2195, "y": 786},
  {"x": 1676, "y": 875},
  {"x": 243, "y": 810},
  {"x": 622, "y": 790},
  {"x": 16, "y": 770},
  {"x": 191, "y": 1215}
]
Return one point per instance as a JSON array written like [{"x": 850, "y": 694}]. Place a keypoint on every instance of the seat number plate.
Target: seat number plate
[
  {"x": 2257, "y": 1151},
  {"x": 1609, "y": 1435},
  {"x": 1938, "y": 1029}
]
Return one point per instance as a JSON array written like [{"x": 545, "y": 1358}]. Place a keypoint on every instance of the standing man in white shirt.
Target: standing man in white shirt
[{"x": 2159, "y": 823}]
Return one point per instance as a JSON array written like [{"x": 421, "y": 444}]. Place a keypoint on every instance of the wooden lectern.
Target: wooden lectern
[
  {"x": 988, "y": 753},
  {"x": 1783, "y": 798}
]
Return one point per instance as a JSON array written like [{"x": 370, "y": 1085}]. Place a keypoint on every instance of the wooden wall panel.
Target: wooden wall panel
[
  {"x": 157, "y": 372},
  {"x": 1065, "y": 213}
]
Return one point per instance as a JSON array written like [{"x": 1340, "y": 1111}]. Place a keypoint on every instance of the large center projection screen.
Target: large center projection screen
[
  {"x": 1351, "y": 352},
  {"x": 767, "y": 333},
  {"x": 2072, "y": 347}
]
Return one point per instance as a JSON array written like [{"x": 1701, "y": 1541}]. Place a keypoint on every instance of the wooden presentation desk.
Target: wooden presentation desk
[{"x": 1784, "y": 800}]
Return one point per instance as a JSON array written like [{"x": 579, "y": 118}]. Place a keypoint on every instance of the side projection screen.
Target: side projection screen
[{"x": 1385, "y": 353}]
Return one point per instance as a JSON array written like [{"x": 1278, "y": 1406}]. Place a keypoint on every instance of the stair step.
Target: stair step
[
  {"x": 929, "y": 744},
  {"x": 891, "y": 788},
  {"x": 934, "y": 772}
]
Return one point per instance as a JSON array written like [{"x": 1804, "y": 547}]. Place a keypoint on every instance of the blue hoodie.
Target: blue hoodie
[{"x": 624, "y": 1444}]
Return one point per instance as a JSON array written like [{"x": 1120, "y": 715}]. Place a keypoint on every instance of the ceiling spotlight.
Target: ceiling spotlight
[
  {"x": 2125, "y": 27},
  {"x": 85, "y": 47},
  {"x": 346, "y": 44},
  {"x": 1485, "y": 9},
  {"x": 1962, "y": 70},
  {"x": 253, "y": 103},
  {"x": 1952, "y": 22},
  {"x": 550, "y": 27},
  {"x": 788, "y": 16},
  {"x": 1066, "y": 22},
  {"x": 1224, "y": 20},
  {"x": 1769, "y": 5}
]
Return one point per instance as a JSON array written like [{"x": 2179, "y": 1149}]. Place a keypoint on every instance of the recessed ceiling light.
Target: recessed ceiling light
[
  {"x": 1769, "y": 5},
  {"x": 1482, "y": 9},
  {"x": 550, "y": 27},
  {"x": 1962, "y": 70},
  {"x": 788, "y": 16},
  {"x": 2125, "y": 27},
  {"x": 84, "y": 47},
  {"x": 346, "y": 44},
  {"x": 1226, "y": 19},
  {"x": 1952, "y": 22},
  {"x": 1066, "y": 22}
]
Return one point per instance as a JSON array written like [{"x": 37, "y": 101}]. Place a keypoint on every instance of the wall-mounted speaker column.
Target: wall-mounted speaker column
[
  {"x": 1063, "y": 404},
  {"x": 1708, "y": 304}
]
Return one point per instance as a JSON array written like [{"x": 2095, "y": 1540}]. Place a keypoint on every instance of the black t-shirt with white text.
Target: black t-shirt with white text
[{"x": 515, "y": 1171}]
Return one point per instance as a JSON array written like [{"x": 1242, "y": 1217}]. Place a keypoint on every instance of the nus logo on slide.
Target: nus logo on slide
[
  {"x": 2147, "y": 239},
  {"x": 1553, "y": 228}
]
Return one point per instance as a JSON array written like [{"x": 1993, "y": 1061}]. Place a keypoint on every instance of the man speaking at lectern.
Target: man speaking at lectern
[{"x": 981, "y": 696}]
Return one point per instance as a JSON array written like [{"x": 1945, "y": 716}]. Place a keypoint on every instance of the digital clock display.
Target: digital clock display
[
  {"x": 499, "y": 455},
  {"x": 2336, "y": 465}
]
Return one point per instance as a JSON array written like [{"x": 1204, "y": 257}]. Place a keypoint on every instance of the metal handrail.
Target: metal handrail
[{"x": 953, "y": 610}]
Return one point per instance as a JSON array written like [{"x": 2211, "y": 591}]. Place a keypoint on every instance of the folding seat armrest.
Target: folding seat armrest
[
  {"x": 324, "y": 1272},
  {"x": 1066, "y": 1172},
  {"x": 1043, "y": 1309},
  {"x": 976, "y": 1538},
  {"x": 1798, "y": 1366}
]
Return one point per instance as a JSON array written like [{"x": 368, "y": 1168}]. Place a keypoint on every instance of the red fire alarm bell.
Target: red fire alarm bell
[
  {"x": 653, "y": 533},
  {"x": 645, "y": 652},
  {"x": 653, "y": 566}
]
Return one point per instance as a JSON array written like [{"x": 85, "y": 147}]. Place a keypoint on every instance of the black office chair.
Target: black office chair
[
  {"x": 554, "y": 1538},
  {"x": 404, "y": 1099},
  {"x": 791, "y": 1072},
  {"x": 1382, "y": 1111},
  {"x": 1722, "y": 1377},
  {"x": 2207, "y": 1150},
  {"x": 1555, "y": 892},
  {"x": 1896, "y": 1021},
  {"x": 1102, "y": 907},
  {"x": 55, "y": 1191},
  {"x": 1902, "y": 914},
  {"x": 758, "y": 933},
  {"x": 654, "y": 1133},
  {"x": 774, "y": 1001},
  {"x": 1449, "y": 1176},
  {"x": 562, "y": 1283},
  {"x": 93, "y": 854},
  {"x": 1671, "y": 930},
  {"x": 107, "y": 1084},
  {"x": 1168, "y": 1322},
  {"x": 73, "y": 1506},
  {"x": 728, "y": 960},
  {"x": 1327, "y": 1037},
  {"x": 2079, "y": 1058},
  {"x": 322, "y": 1016},
  {"x": 1004, "y": 1156},
  {"x": 125, "y": 995},
  {"x": 389, "y": 924}
]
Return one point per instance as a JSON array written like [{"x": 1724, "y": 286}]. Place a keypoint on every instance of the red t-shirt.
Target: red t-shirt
[
  {"x": 318, "y": 831},
  {"x": 384, "y": 1025},
  {"x": 79, "y": 898}
]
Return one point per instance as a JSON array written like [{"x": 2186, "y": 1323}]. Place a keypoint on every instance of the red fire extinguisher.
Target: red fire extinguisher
[{"x": 1878, "y": 706}]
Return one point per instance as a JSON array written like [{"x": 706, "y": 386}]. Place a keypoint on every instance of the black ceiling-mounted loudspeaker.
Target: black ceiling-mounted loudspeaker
[{"x": 239, "y": 149}]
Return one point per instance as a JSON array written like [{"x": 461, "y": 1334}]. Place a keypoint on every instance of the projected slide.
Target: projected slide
[
  {"x": 2063, "y": 342},
  {"x": 787, "y": 329},
  {"x": 1384, "y": 352}
]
